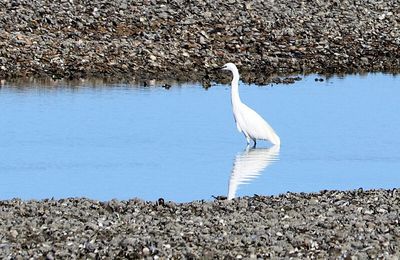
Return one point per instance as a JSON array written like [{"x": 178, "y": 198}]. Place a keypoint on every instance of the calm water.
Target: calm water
[{"x": 181, "y": 144}]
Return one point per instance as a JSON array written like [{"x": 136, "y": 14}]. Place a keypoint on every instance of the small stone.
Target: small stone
[
  {"x": 202, "y": 40},
  {"x": 123, "y": 5},
  {"x": 146, "y": 251},
  {"x": 128, "y": 242},
  {"x": 207, "y": 14},
  {"x": 49, "y": 256},
  {"x": 14, "y": 233},
  {"x": 90, "y": 247},
  {"x": 368, "y": 212}
]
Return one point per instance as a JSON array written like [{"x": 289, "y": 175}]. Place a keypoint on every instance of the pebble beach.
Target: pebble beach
[
  {"x": 184, "y": 40},
  {"x": 139, "y": 41},
  {"x": 330, "y": 224}
]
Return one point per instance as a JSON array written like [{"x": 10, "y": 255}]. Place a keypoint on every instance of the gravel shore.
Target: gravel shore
[
  {"x": 183, "y": 40},
  {"x": 346, "y": 225}
]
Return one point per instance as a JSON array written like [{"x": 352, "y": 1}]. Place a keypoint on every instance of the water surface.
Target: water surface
[{"x": 124, "y": 141}]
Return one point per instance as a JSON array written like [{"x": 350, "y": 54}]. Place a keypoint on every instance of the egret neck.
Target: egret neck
[{"x": 235, "y": 88}]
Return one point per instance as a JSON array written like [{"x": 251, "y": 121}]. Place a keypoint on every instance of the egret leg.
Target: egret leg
[{"x": 255, "y": 143}]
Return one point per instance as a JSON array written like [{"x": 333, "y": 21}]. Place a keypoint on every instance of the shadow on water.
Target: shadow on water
[{"x": 249, "y": 164}]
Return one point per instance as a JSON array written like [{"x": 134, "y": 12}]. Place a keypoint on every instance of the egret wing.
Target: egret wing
[
  {"x": 256, "y": 126},
  {"x": 238, "y": 126}
]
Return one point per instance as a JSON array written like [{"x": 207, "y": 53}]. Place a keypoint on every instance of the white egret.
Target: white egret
[{"x": 251, "y": 124}]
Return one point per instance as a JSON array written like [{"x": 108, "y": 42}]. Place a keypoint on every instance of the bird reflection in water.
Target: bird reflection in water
[{"x": 249, "y": 164}]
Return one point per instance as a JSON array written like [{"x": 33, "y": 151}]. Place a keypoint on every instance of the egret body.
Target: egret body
[{"x": 251, "y": 124}]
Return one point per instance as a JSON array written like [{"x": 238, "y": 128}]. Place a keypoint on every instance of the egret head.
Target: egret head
[{"x": 230, "y": 67}]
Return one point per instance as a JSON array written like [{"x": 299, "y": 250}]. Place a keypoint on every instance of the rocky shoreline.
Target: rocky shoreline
[
  {"x": 184, "y": 40},
  {"x": 330, "y": 224}
]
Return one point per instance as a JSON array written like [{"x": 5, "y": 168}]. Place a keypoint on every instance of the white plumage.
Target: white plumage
[{"x": 251, "y": 124}]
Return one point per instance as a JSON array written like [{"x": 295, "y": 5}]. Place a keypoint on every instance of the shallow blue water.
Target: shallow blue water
[{"x": 181, "y": 144}]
